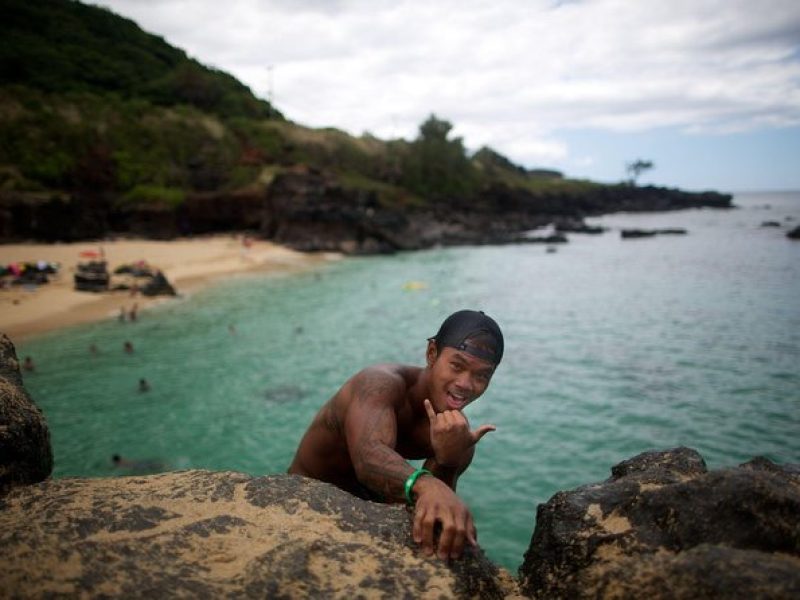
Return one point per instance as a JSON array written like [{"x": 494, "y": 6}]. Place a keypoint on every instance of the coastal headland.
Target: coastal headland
[
  {"x": 662, "y": 526},
  {"x": 135, "y": 138}
]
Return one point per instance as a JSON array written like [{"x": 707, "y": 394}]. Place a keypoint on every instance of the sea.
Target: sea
[{"x": 613, "y": 347}]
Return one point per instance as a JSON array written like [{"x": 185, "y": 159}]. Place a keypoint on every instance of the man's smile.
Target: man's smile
[{"x": 456, "y": 400}]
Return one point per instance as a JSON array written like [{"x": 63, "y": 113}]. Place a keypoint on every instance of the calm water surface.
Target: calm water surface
[{"x": 613, "y": 347}]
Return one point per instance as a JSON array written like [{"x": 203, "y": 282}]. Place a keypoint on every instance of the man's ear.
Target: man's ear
[{"x": 431, "y": 353}]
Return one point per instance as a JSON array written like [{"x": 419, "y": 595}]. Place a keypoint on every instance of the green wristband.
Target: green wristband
[{"x": 412, "y": 479}]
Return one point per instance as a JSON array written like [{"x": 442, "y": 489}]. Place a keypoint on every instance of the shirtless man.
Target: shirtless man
[{"x": 360, "y": 439}]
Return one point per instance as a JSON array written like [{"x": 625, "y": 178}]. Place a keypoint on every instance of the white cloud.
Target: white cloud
[{"x": 508, "y": 74}]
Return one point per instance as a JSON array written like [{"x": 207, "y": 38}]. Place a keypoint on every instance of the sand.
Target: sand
[{"x": 188, "y": 264}]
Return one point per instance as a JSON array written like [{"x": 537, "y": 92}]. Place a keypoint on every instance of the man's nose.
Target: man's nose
[{"x": 464, "y": 381}]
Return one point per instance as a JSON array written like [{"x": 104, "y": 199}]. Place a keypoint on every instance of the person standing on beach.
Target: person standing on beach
[{"x": 361, "y": 438}]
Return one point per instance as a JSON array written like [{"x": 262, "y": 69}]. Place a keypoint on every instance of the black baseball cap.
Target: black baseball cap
[{"x": 473, "y": 332}]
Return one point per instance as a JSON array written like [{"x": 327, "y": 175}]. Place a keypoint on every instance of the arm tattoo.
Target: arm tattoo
[
  {"x": 331, "y": 421},
  {"x": 381, "y": 468}
]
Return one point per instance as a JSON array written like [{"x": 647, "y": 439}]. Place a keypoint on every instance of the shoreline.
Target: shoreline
[{"x": 190, "y": 264}]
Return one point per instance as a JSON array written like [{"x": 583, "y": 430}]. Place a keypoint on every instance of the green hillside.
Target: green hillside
[
  {"x": 90, "y": 102},
  {"x": 106, "y": 128},
  {"x": 60, "y": 46}
]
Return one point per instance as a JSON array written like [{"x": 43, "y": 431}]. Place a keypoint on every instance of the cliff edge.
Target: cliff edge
[{"x": 217, "y": 534}]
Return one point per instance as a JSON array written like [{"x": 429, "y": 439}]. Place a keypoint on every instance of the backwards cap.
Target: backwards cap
[{"x": 472, "y": 332}]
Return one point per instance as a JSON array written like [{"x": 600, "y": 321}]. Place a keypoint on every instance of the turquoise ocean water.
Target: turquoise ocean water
[{"x": 613, "y": 347}]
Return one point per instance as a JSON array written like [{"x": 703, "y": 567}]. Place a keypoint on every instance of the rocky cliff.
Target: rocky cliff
[
  {"x": 312, "y": 209},
  {"x": 209, "y": 535},
  {"x": 25, "y": 452},
  {"x": 662, "y": 526}
]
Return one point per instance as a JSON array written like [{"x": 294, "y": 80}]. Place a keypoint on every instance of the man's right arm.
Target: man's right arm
[{"x": 371, "y": 430}]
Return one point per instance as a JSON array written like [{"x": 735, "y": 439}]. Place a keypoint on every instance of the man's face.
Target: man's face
[{"x": 457, "y": 378}]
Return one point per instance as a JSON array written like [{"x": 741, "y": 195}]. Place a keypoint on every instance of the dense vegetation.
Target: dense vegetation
[
  {"x": 90, "y": 102},
  {"x": 104, "y": 127},
  {"x": 65, "y": 46}
]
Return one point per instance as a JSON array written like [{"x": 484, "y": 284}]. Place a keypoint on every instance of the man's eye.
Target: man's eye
[{"x": 455, "y": 366}]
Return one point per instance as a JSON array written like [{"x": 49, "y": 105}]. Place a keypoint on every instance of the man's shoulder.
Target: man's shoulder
[{"x": 390, "y": 380}]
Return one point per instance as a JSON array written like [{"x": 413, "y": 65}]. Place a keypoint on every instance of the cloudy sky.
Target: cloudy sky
[{"x": 709, "y": 90}]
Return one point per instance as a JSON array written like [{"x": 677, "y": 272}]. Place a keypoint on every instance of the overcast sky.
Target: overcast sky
[{"x": 709, "y": 90}]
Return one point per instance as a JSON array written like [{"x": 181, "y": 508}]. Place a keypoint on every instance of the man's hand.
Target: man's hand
[
  {"x": 451, "y": 436},
  {"x": 438, "y": 503}
]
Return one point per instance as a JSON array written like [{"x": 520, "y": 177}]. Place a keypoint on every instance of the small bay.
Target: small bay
[{"x": 613, "y": 347}]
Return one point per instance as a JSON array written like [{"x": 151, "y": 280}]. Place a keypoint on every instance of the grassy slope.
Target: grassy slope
[{"x": 92, "y": 102}]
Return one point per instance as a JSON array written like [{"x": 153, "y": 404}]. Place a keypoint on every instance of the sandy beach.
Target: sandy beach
[{"x": 187, "y": 263}]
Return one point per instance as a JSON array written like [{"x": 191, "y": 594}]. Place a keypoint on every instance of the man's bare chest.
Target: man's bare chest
[{"x": 414, "y": 439}]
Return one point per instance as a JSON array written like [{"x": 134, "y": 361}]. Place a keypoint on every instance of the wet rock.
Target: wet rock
[
  {"x": 25, "y": 452},
  {"x": 158, "y": 286},
  {"x": 577, "y": 226},
  {"x": 206, "y": 534},
  {"x": 640, "y": 233},
  {"x": 664, "y": 527}
]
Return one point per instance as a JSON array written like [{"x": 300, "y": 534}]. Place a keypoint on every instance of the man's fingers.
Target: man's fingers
[
  {"x": 482, "y": 431},
  {"x": 429, "y": 410},
  {"x": 416, "y": 529},
  {"x": 427, "y": 534},
  {"x": 446, "y": 540},
  {"x": 458, "y": 543},
  {"x": 472, "y": 533}
]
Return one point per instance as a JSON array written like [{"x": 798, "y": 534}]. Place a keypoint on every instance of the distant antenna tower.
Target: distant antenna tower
[{"x": 270, "y": 96}]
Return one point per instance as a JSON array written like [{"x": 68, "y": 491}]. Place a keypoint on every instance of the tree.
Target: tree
[
  {"x": 437, "y": 166},
  {"x": 638, "y": 167}
]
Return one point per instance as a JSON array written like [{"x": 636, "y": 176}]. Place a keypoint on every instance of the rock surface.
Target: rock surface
[
  {"x": 311, "y": 209},
  {"x": 25, "y": 452},
  {"x": 204, "y": 534},
  {"x": 664, "y": 527}
]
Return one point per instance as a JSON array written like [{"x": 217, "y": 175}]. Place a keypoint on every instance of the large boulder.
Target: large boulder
[
  {"x": 26, "y": 455},
  {"x": 663, "y": 526},
  {"x": 204, "y": 534}
]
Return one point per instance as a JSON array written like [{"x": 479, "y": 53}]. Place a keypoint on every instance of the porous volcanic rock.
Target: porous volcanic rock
[
  {"x": 663, "y": 526},
  {"x": 205, "y": 534},
  {"x": 26, "y": 455}
]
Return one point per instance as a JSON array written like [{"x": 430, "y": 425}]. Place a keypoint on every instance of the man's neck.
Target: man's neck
[{"x": 418, "y": 392}]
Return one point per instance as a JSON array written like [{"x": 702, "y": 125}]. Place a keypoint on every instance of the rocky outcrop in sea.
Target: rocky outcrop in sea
[
  {"x": 26, "y": 455},
  {"x": 662, "y": 526}
]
